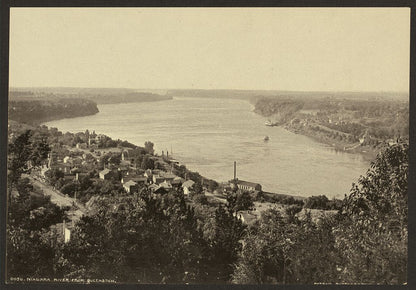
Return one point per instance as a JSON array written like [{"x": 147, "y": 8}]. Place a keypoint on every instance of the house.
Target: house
[
  {"x": 177, "y": 181},
  {"x": 166, "y": 185},
  {"x": 106, "y": 174},
  {"x": 130, "y": 186},
  {"x": 81, "y": 146},
  {"x": 157, "y": 189},
  {"x": 248, "y": 186},
  {"x": 158, "y": 179},
  {"x": 169, "y": 177},
  {"x": 62, "y": 231},
  {"x": 140, "y": 180},
  {"x": 156, "y": 171},
  {"x": 64, "y": 167},
  {"x": 136, "y": 178},
  {"x": 187, "y": 186},
  {"x": 67, "y": 159},
  {"x": 365, "y": 138},
  {"x": 246, "y": 217}
]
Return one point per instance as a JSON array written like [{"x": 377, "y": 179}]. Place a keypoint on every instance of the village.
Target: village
[{"x": 82, "y": 161}]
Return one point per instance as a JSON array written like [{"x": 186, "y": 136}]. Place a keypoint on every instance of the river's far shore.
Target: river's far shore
[{"x": 367, "y": 152}]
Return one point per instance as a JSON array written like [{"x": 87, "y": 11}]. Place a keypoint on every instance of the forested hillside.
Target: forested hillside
[
  {"x": 97, "y": 95},
  {"x": 43, "y": 110},
  {"x": 344, "y": 122}
]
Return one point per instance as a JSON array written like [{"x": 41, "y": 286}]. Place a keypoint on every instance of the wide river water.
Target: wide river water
[{"x": 208, "y": 135}]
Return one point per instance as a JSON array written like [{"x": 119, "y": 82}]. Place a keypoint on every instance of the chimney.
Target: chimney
[{"x": 235, "y": 170}]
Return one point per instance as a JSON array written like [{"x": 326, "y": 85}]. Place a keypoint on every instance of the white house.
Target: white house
[
  {"x": 187, "y": 186},
  {"x": 130, "y": 186},
  {"x": 105, "y": 174}
]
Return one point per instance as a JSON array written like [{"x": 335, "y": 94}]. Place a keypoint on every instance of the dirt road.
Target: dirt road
[{"x": 76, "y": 211}]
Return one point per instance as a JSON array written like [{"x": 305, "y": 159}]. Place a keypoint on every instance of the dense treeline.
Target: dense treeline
[
  {"x": 343, "y": 119},
  {"x": 97, "y": 95},
  {"x": 127, "y": 98},
  {"x": 160, "y": 238},
  {"x": 282, "y": 110},
  {"x": 37, "y": 111}
]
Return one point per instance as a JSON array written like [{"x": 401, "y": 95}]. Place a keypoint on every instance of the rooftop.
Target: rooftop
[
  {"x": 247, "y": 183},
  {"x": 188, "y": 183}
]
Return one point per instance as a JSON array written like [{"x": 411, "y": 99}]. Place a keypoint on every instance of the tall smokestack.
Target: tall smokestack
[{"x": 235, "y": 170}]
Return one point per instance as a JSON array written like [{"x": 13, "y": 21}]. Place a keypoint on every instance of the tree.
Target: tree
[
  {"x": 224, "y": 239},
  {"x": 147, "y": 239},
  {"x": 70, "y": 188},
  {"x": 19, "y": 153},
  {"x": 29, "y": 253},
  {"x": 40, "y": 149},
  {"x": 29, "y": 249},
  {"x": 285, "y": 250},
  {"x": 317, "y": 202},
  {"x": 197, "y": 188},
  {"x": 147, "y": 163},
  {"x": 53, "y": 175},
  {"x": 148, "y": 146},
  {"x": 200, "y": 198},
  {"x": 375, "y": 211},
  {"x": 212, "y": 185},
  {"x": 240, "y": 200}
]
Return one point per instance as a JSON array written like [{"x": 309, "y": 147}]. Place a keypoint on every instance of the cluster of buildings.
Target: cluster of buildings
[{"x": 157, "y": 180}]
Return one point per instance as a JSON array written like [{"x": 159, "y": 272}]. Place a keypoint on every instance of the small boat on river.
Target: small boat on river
[{"x": 270, "y": 123}]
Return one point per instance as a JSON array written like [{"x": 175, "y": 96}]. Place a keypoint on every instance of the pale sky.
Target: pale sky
[{"x": 301, "y": 49}]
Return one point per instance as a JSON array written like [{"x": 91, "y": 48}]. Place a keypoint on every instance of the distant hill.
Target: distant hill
[
  {"x": 254, "y": 95},
  {"x": 98, "y": 95},
  {"x": 36, "y": 111}
]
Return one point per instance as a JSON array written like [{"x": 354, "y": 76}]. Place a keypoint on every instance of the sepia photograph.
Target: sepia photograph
[{"x": 208, "y": 145}]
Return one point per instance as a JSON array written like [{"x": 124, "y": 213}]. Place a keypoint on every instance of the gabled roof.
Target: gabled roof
[
  {"x": 188, "y": 183},
  {"x": 177, "y": 180},
  {"x": 168, "y": 175},
  {"x": 130, "y": 183},
  {"x": 139, "y": 178}
]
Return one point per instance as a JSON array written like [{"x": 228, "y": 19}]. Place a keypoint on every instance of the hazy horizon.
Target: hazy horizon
[{"x": 199, "y": 89}]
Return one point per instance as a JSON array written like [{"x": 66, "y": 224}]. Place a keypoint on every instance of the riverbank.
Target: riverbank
[
  {"x": 369, "y": 153},
  {"x": 363, "y": 126}
]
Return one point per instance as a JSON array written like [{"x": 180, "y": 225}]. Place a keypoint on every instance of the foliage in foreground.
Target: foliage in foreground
[{"x": 366, "y": 242}]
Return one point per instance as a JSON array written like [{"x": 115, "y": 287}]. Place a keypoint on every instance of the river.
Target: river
[{"x": 208, "y": 135}]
